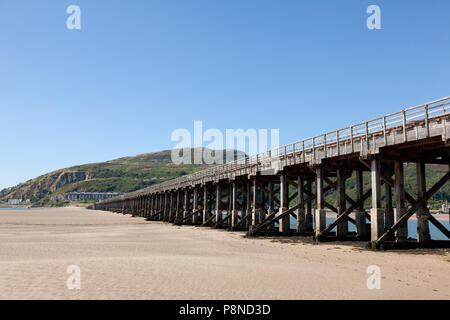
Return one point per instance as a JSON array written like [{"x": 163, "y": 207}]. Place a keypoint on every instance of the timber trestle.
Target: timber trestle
[{"x": 346, "y": 184}]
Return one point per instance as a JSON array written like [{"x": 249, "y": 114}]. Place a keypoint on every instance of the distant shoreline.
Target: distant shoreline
[
  {"x": 41, "y": 207},
  {"x": 14, "y": 207},
  {"x": 330, "y": 214}
]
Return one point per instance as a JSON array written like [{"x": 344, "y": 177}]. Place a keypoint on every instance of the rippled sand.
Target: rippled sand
[{"x": 121, "y": 257}]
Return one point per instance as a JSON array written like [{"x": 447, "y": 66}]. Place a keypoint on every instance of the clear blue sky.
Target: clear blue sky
[{"x": 137, "y": 70}]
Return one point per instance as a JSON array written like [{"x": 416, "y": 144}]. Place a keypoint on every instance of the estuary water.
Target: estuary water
[{"x": 412, "y": 228}]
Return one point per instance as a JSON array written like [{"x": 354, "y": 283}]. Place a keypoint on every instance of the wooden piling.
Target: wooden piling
[{"x": 376, "y": 212}]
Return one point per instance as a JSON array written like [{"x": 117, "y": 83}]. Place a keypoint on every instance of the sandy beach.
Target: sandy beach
[{"x": 121, "y": 257}]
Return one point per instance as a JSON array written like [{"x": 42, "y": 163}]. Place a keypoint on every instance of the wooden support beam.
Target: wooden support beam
[
  {"x": 234, "y": 201},
  {"x": 388, "y": 209},
  {"x": 156, "y": 214},
  {"x": 255, "y": 203},
  {"x": 263, "y": 190},
  {"x": 292, "y": 197},
  {"x": 195, "y": 210},
  {"x": 159, "y": 206},
  {"x": 314, "y": 195},
  {"x": 438, "y": 225},
  {"x": 173, "y": 208},
  {"x": 414, "y": 207},
  {"x": 308, "y": 206},
  {"x": 178, "y": 206},
  {"x": 422, "y": 213},
  {"x": 218, "y": 203},
  {"x": 360, "y": 213},
  {"x": 243, "y": 220},
  {"x": 165, "y": 206},
  {"x": 401, "y": 234},
  {"x": 335, "y": 186},
  {"x": 147, "y": 205},
  {"x": 187, "y": 217},
  {"x": 186, "y": 203},
  {"x": 274, "y": 217},
  {"x": 376, "y": 212},
  {"x": 210, "y": 220},
  {"x": 156, "y": 205},
  {"x": 248, "y": 210},
  {"x": 229, "y": 200},
  {"x": 261, "y": 199},
  {"x": 205, "y": 205},
  {"x": 270, "y": 200},
  {"x": 320, "y": 189},
  {"x": 321, "y": 214},
  {"x": 244, "y": 201},
  {"x": 300, "y": 212},
  {"x": 223, "y": 220},
  {"x": 329, "y": 206},
  {"x": 342, "y": 226},
  {"x": 284, "y": 205},
  {"x": 152, "y": 202},
  {"x": 344, "y": 214},
  {"x": 386, "y": 178}
]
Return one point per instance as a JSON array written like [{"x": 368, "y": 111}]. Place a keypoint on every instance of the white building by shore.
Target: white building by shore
[{"x": 14, "y": 201}]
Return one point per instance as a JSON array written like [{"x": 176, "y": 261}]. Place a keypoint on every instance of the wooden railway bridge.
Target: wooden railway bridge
[{"x": 261, "y": 193}]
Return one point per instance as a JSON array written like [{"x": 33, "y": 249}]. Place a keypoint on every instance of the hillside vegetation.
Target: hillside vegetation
[
  {"x": 120, "y": 175},
  {"x": 133, "y": 173}
]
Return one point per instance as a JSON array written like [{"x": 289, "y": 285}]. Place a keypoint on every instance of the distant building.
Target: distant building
[
  {"x": 445, "y": 207},
  {"x": 90, "y": 195},
  {"x": 14, "y": 201}
]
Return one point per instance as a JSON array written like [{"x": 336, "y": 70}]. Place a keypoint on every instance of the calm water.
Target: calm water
[{"x": 412, "y": 228}]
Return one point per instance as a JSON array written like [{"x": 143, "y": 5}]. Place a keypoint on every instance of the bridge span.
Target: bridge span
[{"x": 263, "y": 194}]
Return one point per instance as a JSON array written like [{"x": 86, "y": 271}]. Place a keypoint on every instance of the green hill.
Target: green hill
[
  {"x": 133, "y": 173},
  {"x": 120, "y": 175}
]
